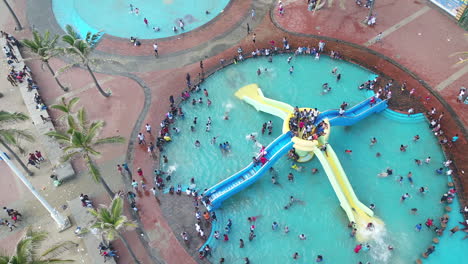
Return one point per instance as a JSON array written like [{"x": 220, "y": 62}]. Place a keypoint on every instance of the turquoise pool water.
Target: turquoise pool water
[
  {"x": 114, "y": 17},
  {"x": 319, "y": 216}
]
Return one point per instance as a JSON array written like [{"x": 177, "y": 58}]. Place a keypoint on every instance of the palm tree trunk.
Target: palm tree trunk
[
  {"x": 135, "y": 260},
  {"x": 30, "y": 173},
  {"x": 107, "y": 188},
  {"x": 65, "y": 89},
  {"x": 18, "y": 24},
  {"x": 96, "y": 82}
]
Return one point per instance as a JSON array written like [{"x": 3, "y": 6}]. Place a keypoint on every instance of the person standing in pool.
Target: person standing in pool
[
  {"x": 251, "y": 235},
  {"x": 274, "y": 226},
  {"x": 145, "y": 21},
  {"x": 404, "y": 197},
  {"x": 410, "y": 178},
  {"x": 181, "y": 24},
  {"x": 295, "y": 255}
]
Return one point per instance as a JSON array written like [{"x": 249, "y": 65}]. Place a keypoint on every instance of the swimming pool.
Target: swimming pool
[
  {"x": 319, "y": 216},
  {"x": 116, "y": 18}
]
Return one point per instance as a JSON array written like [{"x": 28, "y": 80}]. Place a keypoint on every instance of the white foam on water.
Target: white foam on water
[
  {"x": 255, "y": 134},
  {"x": 379, "y": 242},
  {"x": 228, "y": 106},
  {"x": 172, "y": 168}
]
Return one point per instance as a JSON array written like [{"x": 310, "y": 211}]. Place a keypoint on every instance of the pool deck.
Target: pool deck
[{"x": 418, "y": 40}]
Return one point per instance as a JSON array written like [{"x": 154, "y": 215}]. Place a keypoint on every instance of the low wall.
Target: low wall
[{"x": 52, "y": 150}]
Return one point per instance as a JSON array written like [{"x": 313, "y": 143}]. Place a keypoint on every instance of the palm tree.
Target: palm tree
[
  {"x": 26, "y": 250},
  {"x": 45, "y": 47},
  {"x": 10, "y": 136},
  {"x": 18, "y": 24},
  {"x": 111, "y": 221},
  {"x": 80, "y": 50},
  {"x": 81, "y": 139},
  {"x": 67, "y": 109}
]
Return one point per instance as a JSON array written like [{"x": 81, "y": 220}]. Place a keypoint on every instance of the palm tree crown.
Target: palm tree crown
[
  {"x": 9, "y": 136},
  {"x": 81, "y": 139},
  {"x": 26, "y": 250},
  {"x": 80, "y": 49},
  {"x": 45, "y": 47},
  {"x": 111, "y": 221},
  {"x": 78, "y": 46}
]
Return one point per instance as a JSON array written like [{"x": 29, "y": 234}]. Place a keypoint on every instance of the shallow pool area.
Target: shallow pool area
[
  {"x": 125, "y": 18},
  {"x": 318, "y": 215}
]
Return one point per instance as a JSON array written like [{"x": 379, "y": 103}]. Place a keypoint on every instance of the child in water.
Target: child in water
[{"x": 296, "y": 167}]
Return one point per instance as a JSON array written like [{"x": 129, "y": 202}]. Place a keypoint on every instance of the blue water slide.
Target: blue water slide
[
  {"x": 354, "y": 114},
  {"x": 247, "y": 176}
]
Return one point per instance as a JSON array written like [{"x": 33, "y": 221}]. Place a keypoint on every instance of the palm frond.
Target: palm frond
[
  {"x": 57, "y": 250},
  {"x": 71, "y": 32},
  {"x": 70, "y": 155},
  {"x": 93, "y": 169},
  {"x": 116, "y": 207},
  {"x": 93, "y": 130},
  {"x": 73, "y": 102},
  {"x": 61, "y": 108},
  {"x": 82, "y": 118},
  {"x": 62, "y": 137},
  {"x": 72, "y": 123},
  {"x": 11, "y": 136},
  {"x": 12, "y": 117},
  {"x": 110, "y": 140},
  {"x": 77, "y": 139},
  {"x": 57, "y": 261},
  {"x": 30, "y": 44},
  {"x": 4, "y": 260}
]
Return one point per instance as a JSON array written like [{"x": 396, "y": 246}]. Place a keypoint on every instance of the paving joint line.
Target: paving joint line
[{"x": 398, "y": 25}]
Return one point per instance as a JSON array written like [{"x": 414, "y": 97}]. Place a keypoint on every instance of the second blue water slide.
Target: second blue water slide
[
  {"x": 244, "y": 178},
  {"x": 354, "y": 114}
]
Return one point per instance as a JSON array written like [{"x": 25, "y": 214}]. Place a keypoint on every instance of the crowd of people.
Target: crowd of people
[
  {"x": 302, "y": 124},
  {"x": 14, "y": 216},
  {"x": 19, "y": 76}
]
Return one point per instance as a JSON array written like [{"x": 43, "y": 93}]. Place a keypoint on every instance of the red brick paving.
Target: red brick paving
[
  {"x": 345, "y": 24},
  {"x": 223, "y": 23}
]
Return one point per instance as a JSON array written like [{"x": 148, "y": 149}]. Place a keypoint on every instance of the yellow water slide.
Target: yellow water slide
[
  {"x": 356, "y": 211},
  {"x": 253, "y": 95}
]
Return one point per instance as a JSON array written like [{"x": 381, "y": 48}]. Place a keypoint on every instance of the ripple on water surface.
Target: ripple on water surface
[{"x": 319, "y": 215}]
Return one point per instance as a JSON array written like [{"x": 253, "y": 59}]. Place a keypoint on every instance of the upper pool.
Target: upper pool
[
  {"x": 116, "y": 18},
  {"x": 319, "y": 216}
]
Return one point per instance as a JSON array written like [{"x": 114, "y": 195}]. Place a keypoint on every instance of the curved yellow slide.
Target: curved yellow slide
[
  {"x": 253, "y": 95},
  {"x": 356, "y": 211}
]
